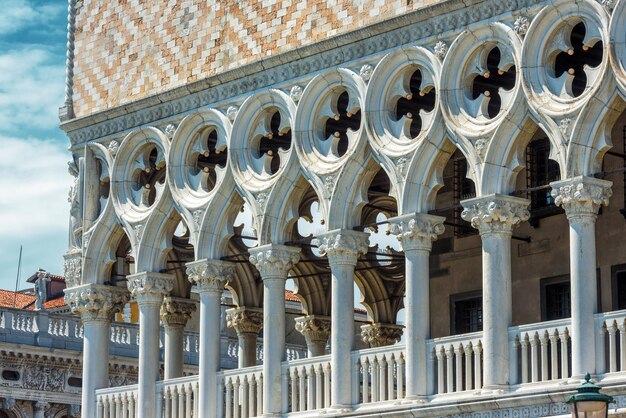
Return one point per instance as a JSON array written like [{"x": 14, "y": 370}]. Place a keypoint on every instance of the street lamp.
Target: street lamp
[{"x": 588, "y": 402}]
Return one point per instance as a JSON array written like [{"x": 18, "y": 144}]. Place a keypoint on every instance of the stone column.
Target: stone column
[
  {"x": 582, "y": 197},
  {"x": 39, "y": 409},
  {"x": 209, "y": 276},
  {"x": 416, "y": 232},
  {"x": 343, "y": 248},
  {"x": 248, "y": 323},
  {"x": 175, "y": 312},
  {"x": 316, "y": 330},
  {"x": 149, "y": 289},
  {"x": 495, "y": 216},
  {"x": 96, "y": 305},
  {"x": 381, "y": 335},
  {"x": 274, "y": 263}
]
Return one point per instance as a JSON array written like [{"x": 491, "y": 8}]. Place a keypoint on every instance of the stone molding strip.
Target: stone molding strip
[{"x": 420, "y": 25}]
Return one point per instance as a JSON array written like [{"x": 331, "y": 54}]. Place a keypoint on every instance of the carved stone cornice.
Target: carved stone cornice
[
  {"x": 274, "y": 261},
  {"x": 149, "y": 287},
  {"x": 315, "y": 328},
  {"x": 581, "y": 197},
  {"x": 175, "y": 312},
  {"x": 417, "y": 231},
  {"x": 245, "y": 320},
  {"x": 495, "y": 213},
  {"x": 73, "y": 267},
  {"x": 94, "y": 302},
  {"x": 343, "y": 246},
  {"x": 210, "y": 275},
  {"x": 379, "y": 335}
]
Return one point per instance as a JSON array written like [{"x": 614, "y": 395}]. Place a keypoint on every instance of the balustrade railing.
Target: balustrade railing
[
  {"x": 380, "y": 373},
  {"x": 178, "y": 398},
  {"x": 611, "y": 341},
  {"x": 457, "y": 363},
  {"x": 117, "y": 402},
  {"x": 241, "y": 392},
  {"x": 308, "y": 384}
]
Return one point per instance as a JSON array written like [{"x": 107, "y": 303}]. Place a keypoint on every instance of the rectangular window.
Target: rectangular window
[
  {"x": 463, "y": 189},
  {"x": 540, "y": 171},
  {"x": 467, "y": 313},
  {"x": 618, "y": 274},
  {"x": 555, "y": 298}
]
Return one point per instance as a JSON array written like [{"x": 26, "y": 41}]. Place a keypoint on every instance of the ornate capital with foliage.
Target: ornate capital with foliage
[
  {"x": 210, "y": 275},
  {"x": 95, "y": 302},
  {"x": 379, "y": 335},
  {"x": 314, "y": 328},
  {"x": 149, "y": 287},
  {"x": 274, "y": 261},
  {"x": 245, "y": 320},
  {"x": 495, "y": 213},
  {"x": 343, "y": 246},
  {"x": 73, "y": 267},
  {"x": 175, "y": 312},
  {"x": 417, "y": 231},
  {"x": 581, "y": 197}
]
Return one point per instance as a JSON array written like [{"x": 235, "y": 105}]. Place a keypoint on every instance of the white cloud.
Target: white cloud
[{"x": 19, "y": 14}]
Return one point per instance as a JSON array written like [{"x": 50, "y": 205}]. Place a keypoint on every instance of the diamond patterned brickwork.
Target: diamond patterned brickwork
[{"x": 129, "y": 49}]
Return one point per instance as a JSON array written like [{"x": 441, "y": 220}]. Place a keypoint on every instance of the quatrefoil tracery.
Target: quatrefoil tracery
[
  {"x": 492, "y": 79},
  {"x": 577, "y": 56},
  {"x": 206, "y": 159},
  {"x": 149, "y": 176},
  {"x": 340, "y": 115},
  {"x": 271, "y": 141},
  {"x": 414, "y": 99}
]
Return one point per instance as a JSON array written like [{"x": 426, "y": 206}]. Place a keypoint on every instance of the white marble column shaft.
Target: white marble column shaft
[
  {"x": 342, "y": 247},
  {"x": 248, "y": 322},
  {"x": 96, "y": 305},
  {"x": 582, "y": 197},
  {"x": 416, "y": 232},
  {"x": 274, "y": 263},
  {"x": 495, "y": 216},
  {"x": 209, "y": 276},
  {"x": 149, "y": 289},
  {"x": 316, "y": 330},
  {"x": 175, "y": 312}
]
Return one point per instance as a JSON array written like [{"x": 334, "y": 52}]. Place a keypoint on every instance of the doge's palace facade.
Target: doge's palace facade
[{"x": 450, "y": 162}]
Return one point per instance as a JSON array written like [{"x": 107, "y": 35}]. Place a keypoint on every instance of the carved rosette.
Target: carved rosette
[
  {"x": 245, "y": 320},
  {"x": 343, "y": 246},
  {"x": 210, "y": 275},
  {"x": 95, "y": 302},
  {"x": 417, "y": 231},
  {"x": 73, "y": 267},
  {"x": 175, "y": 312},
  {"x": 316, "y": 329},
  {"x": 274, "y": 261},
  {"x": 379, "y": 335},
  {"x": 495, "y": 213},
  {"x": 149, "y": 287},
  {"x": 581, "y": 197}
]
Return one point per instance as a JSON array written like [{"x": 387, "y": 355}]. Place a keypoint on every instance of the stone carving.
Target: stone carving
[
  {"x": 169, "y": 130},
  {"x": 76, "y": 208},
  {"x": 261, "y": 200},
  {"x": 231, "y": 112},
  {"x": 343, "y": 246},
  {"x": 366, "y": 72},
  {"x": 46, "y": 378},
  {"x": 496, "y": 213},
  {"x": 295, "y": 93},
  {"x": 441, "y": 49},
  {"x": 67, "y": 111},
  {"x": 315, "y": 329},
  {"x": 481, "y": 147},
  {"x": 417, "y": 231},
  {"x": 274, "y": 261},
  {"x": 113, "y": 147},
  {"x": 175, "y": 312},
  {"x": 564, "y": 127},
  {"x": 96, "y": 302},
  {"x": 197, "y": 217},
  {"x": 401, "y": 166},
  {"x": 245, "y": 320},
  {"x": 379, "y": 335},
  {"x": 329, "y": 183},
  {"x": 210, "y": 275},
  {"x": 521, "y": 25},
  {"x": 581, "y": 196},
  {"x": 41, "y": 289},
  {"x": 122, "y": 380},
  {"x": 150, "y": 287},
  {"x": 608, "y": 4}
]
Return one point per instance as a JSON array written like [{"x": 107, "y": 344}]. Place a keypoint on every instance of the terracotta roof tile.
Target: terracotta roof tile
[
  {"x": 55, "y": 303},
  {"x": 9, "y": 299}
]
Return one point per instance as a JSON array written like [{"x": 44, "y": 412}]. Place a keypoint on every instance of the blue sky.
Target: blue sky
[{"x": 34, "y": 181}]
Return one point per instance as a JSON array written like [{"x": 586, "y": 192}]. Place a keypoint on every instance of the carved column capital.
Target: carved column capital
[
  {"x": 581, "y": 197},
  {"x": 274, "y": 261},
  {"x": 343, "y": 246},
  {"x": 210, "y": 275},
  {"x": 245, "y": 320},
  {"x": 150, "y": 287},
  {"x": 94, "y": 302},
  {"x": 379, "y": 334},
  {"x": 175, "y": 312},
  {"x": 495, "y": 213},
  {"x": 73, "y": 267},
  {"x": 417, "y": 231},
  {"x": 315, "y": 328}
]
